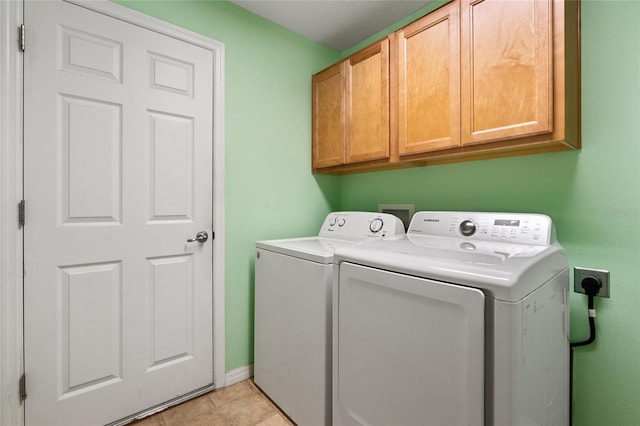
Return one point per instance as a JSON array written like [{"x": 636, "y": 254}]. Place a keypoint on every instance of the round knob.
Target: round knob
[
  {"x": 332, "y": 221},
  {"x": 376, "y": 225},
  {"x": 341, "y": 221},
  {"x": 467, "y": 228}
]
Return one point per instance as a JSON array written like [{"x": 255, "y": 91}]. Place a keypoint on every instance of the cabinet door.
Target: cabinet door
[
  {"x": 328, "y": 117},
  {"x": 428, "y": 82},
  {"x": 367, "y": 97},
  {"x": 507, "y": 75}
]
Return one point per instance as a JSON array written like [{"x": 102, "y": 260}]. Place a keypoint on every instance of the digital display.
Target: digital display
[{"x": 506, "y": 222}]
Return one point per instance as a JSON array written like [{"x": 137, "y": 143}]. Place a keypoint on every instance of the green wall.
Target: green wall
[
  {"x": 592, "y": 195},
  {"x": 270, "y": 191}
]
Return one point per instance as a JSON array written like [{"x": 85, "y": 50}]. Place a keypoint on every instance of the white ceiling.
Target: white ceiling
[{"x": 338, "y": 24}]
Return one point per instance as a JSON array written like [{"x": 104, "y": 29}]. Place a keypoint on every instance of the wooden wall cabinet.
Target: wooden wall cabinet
[
  {"x": 520, "y": 77},
  {"x": 474, "y": 79},
  {"x": 350, "y": 122}
]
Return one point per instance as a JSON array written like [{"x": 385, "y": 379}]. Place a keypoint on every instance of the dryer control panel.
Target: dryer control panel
[
  {"x": 519, "y": 228},
  {"x": 360, "y": 225}
]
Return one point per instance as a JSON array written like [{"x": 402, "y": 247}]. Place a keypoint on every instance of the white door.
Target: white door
[
  {"x": 407, "y": 351},
  {"x": 118, "y": 175}
]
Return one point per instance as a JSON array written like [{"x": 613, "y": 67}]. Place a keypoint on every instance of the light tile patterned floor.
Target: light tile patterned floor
[{"x": 242, "y": 404}]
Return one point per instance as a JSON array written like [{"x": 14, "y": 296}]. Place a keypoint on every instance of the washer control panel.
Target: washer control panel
[
  {"x": 520, "y": 228},
  {"x": 360, "y": 225}
]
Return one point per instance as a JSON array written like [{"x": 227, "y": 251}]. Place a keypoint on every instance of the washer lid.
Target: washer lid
[
  {"x": 314, "y": 249},
  {"x": 506, "y": 271},
  {"x": 337, "y": 230}
]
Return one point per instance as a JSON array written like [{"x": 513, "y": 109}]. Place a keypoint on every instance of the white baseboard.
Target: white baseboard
[{"x": 239, "y": 374}]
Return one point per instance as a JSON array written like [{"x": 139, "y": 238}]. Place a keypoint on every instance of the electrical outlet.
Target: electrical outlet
[{"x": 580, "y": 274}]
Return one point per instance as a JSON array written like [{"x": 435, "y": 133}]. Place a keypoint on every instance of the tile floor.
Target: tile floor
[{"x": 242, "y": 404}]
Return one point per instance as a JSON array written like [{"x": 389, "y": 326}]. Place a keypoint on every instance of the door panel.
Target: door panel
[
  {"x": 171, "y": 300},
  {"x": 118, "y": 175},
  {"x": 91, "y": 173},
  {"x": 171, "y": 161},
  {"x": 90, "y": 54},
  {"x": 91, "y": 327}
]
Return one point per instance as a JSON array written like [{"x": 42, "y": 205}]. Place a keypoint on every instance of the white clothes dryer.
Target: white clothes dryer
[
  {"x": 292, "y": 345},
  {"x": 463, "y": 321}
]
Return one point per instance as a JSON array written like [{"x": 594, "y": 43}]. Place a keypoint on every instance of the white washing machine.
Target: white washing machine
[
  {"x": 292, "y": 353},
  {"x": 463, "y": 321}
]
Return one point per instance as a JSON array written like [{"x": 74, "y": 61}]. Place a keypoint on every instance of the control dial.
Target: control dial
[
  {"x": 467, "y": 228},
  {"x": 376, "y": 225}
]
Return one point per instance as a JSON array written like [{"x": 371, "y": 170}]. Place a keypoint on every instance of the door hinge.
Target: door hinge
[
  {"x": 21, "y": 37},
  {"x": 23, "y": 387},
  {"x": 21, "y": 213}
]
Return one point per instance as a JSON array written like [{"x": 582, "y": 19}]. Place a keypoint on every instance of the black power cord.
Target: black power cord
[
  {"x": 591, "y": 286},
  {"x": 592, "y": 324}
]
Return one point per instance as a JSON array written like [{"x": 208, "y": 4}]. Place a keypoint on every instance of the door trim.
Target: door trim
[
  {"x": 11, "y": 190},
  {"x": 11, "y": 343}
]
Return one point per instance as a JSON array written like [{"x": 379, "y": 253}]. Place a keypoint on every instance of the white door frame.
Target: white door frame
[
  {"x": 11, "y": 190},
  {"x": 11, "y": 343}
]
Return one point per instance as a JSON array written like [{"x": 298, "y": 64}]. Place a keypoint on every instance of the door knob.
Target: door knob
[{"x": 201, "y": 237}]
